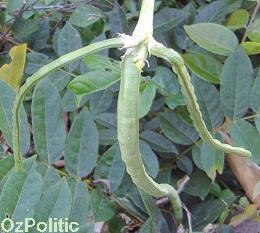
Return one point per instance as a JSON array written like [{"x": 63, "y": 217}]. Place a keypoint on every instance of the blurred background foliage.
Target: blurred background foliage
[{"x": 69, "y": 119}]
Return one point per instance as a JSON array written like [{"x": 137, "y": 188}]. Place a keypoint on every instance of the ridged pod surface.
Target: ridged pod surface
[
  {"x": 128, "y": 136},
  {"x": 187, "y": 89}
]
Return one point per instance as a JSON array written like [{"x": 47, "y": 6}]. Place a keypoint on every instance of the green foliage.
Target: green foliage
[
  {"x": 213, "y": 37},
  {"x": 236, "y": 83},
  {"x": 7, "y": 99},
  {"x": 78, "y": 172},
  {"x": 47, "y": 121}
]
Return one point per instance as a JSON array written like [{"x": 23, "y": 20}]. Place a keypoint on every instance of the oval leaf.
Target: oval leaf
[
  {"x": 209, "y": 102},
  {"x": 238, "y": 19},
  {"x": 21, "y": 193},
  {"x": 68, "y": 40},
  {"x": 146, "y": 98},
  {"x": 235, "y": 84},
  {"x": 81, "y": 149},
  {"x": 176, "y": 130},
  {"x": 85, "y": 15},
  {"x": 244, "y": 134},
  {"x": 167, "y": 18},
  {"x": 149, "y": 159},
  {"x": 251, "y": 48},
  {"x": 111, "y": 167},
  {"x": 213, "y": 37},
  {"x": 203, "y": 65},
  {"x": 47, "y": 121},
  {"x": 93, "y": 81}
]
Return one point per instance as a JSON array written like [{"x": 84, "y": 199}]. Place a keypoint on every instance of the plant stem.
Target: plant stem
[
  {"x": 145, "y": 23},
  {"x": 41, "y": 73}
]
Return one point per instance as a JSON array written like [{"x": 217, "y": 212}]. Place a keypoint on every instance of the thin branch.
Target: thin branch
[
  {"x": 251, "y": 116},
  {"x": 10, "y": 40},
  {"x": 249, "y": 26}
]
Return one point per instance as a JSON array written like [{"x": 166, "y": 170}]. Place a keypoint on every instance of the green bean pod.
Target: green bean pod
[
  {"x": 187, "y": 88},
  {"x": 128, "y": 136}
]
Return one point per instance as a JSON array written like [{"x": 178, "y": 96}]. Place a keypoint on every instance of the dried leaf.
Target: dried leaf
[{"x": 12, "y": 73}]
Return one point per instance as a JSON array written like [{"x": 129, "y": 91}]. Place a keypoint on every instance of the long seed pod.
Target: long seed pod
[
  {"x": 128, "y": 136},
  {"x": 41, "y": 73},
  {"x": 187, "y": 88}
]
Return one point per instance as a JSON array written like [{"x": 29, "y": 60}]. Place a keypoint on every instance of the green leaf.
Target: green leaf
[
  {"x": 21, "y": 193},
  {"x": 129, "y": 205},
  {"x": 72, "y": 102},
  {"x": 157, "y": 219},
  {"x": 244, "y": 134},
  {"x": 146, "y": 98},
  {"x": 175, "y": 100},
  {"x": 176, "y": 130},
  {"x": 185, "y": 164},
  {"x": 206, "y": 212},
  {"x": 213, "y": 37},
  {"x": 216, "y": 11},
  {"x": 81, "y": 148},
  {"x": 101, "y": 206},
  {"x": 68, "y": 41},
  {"x": 100, "y": 101},
  {"x": 158, "y": 142},
  {"x": 93, "y": 81},
  {"x": 107, "y": 119},
  {"x": 7, "y": 97},
  {"x": 257, "y": 123},
  {"x": 208, "y": 159},
  {"x": 238, "y": 19},
  {"x": 48, "y": 122},
  {"x": 60, "y": 79},
  {"x": 13, "y": 5},
  {"x": 111, "y": 167},
  {"x": 40, "y": 38},
  {"x": 150, "y": 160},
  {"x": 55, "y": 202},
  {"x": 107, "y": 136},
  {"x": 184, "y": 115},
  {"x": 235, "y": 84},
  {"x": 209, "y": 102},
  {"x": 251, "y": 48},
  {"x": 99, "y": 62},
  {"x": 34, "y": 61},
  {"x": 118, "y": 20},
  {"x": 166, "y": 81},
  {"x": 148, "y": 227},
  {"x": 6, "y": 164},
  {"x": 254, "y": 33},
  {"x": 80, "y": 202},
  {"x": 49, "y": 174},
  {"x": 116, "y": 224},
  {"x": 198, "y": 177},
  {"x": 205, "y": 66},
  {"x": 255, "y": 94},
  {"x": 85, "y": 15},
  {"x": 167, "y": 18},
  {"x": 24, "y": 30}
]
